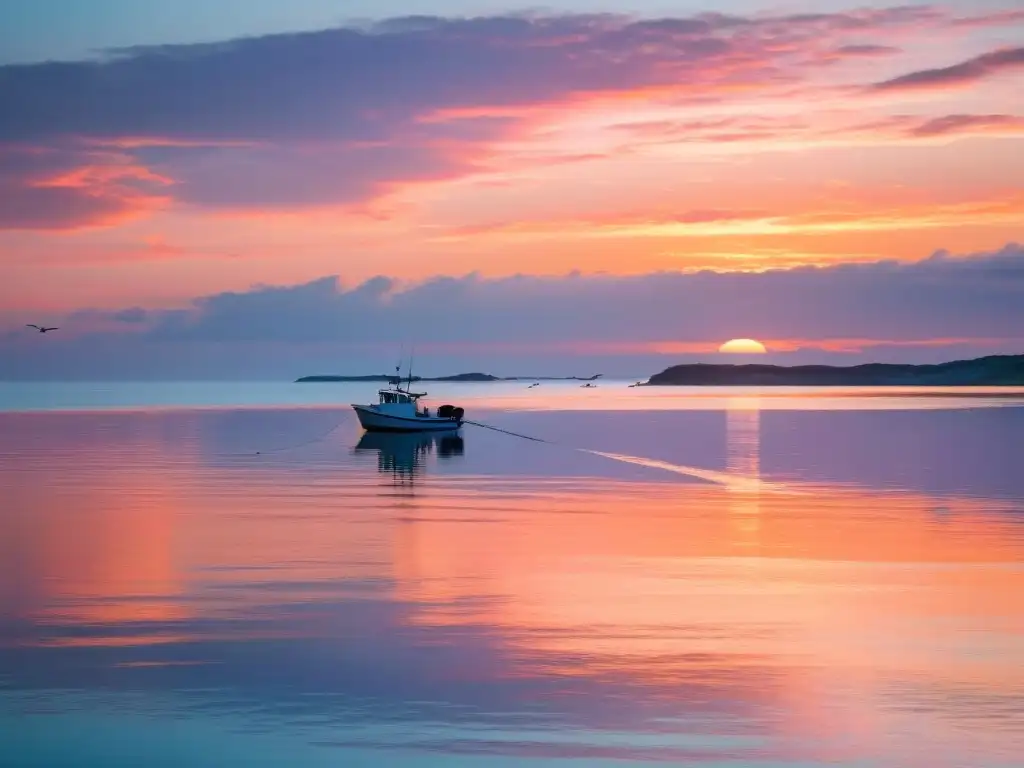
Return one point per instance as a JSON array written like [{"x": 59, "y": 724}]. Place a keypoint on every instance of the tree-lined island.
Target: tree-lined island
[{"x": 991, "y": 371}]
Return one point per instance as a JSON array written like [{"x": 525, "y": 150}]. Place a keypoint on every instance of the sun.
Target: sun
[{"x": 743, "y": 347}]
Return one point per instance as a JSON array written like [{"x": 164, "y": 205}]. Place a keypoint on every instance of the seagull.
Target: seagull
[{"x": 41, "y": 329}]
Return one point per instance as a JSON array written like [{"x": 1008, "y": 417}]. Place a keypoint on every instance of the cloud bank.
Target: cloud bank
[{"x": 937, "y": 307}]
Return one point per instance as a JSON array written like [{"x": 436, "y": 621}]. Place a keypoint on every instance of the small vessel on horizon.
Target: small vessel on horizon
[{"x": 398, "y": 411}]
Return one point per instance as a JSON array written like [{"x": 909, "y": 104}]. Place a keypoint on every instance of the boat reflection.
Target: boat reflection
[{"x": 403, "y": 455}]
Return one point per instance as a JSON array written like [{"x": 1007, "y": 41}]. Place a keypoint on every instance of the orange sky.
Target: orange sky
[{"x": 764, "y": 158}]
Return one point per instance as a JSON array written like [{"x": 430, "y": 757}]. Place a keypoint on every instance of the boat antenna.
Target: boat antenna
[
  {"x": 397, "y": 380},
  {"x": 412, "y": 354}
]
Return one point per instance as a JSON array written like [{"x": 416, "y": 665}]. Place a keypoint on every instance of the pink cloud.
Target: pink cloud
[
  {"x": 997, "y": 19},
  {"x": 845, "y": 210},
  {"x": 775, "y": 129},
  {"x": 968, "y": 124},
  {"x": 44, "y": 188},
  {"x": 341, "y": 116}
]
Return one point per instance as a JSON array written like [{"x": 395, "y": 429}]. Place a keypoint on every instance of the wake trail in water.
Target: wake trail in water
[{"x": 729, "y": 480}]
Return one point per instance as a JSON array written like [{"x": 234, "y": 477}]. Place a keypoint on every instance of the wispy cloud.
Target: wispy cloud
[
  {"x": 841, "y": 127},
  {"x": 968, "y": 124},
  {"x": 854, "y": 214},
  {"x": 62, "y": 189},
  {"x": 997, "y": 19},
  {"x": 866, "y": 49},
  {"x": 341, "y": 116},
  {"x": 964, "y": 73}
]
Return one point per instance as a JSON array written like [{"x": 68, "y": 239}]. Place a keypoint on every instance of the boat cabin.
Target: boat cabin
[
  {"x": 398, "y": 396},
  {"x": 393, "y": 397},
  {"x": 398, "y": 400}
]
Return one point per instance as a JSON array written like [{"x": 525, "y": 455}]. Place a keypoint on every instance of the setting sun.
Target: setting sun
[{"x": 743, "y": 346}]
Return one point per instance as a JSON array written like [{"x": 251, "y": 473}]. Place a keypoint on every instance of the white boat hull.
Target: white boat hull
[{"x": 373, "y": 420}]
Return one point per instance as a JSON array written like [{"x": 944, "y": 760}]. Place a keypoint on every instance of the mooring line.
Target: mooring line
[
  {"x": 507, "y": 432},
  {"x": 282, "y": 449}
]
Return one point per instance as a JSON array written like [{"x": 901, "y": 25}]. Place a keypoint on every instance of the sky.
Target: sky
[{"x": 258, "y": 189}]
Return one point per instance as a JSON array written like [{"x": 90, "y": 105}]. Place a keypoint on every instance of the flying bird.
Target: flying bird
[{"x": 39, "y": 328}]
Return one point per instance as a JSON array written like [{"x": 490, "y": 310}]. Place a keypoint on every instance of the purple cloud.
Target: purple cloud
[
  {"x": 866, "y": 50},
  {"x": 954, "y": 124},
  {"x": 966, "y": 72},
  {"x": 132, "y": 315},
  {"x": 343, "y": 84},
  {"x": 496, "y": 322},
  {"x": 338, "y": 116},
  {"x": 941, "y": 296},
  {"x": 297, "y": 176}
]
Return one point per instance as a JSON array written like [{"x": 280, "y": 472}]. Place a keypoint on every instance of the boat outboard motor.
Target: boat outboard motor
[{"x": 458, "y": 413}]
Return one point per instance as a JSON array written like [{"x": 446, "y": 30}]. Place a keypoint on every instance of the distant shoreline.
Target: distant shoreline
[
  {"x": 991, "y": 371},
  {"x": 482, "y": 378}
]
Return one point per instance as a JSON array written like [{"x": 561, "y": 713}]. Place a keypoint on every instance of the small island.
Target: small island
[
  {"x": 458, "y": 377},
  {"x": 991, "y": 371}
]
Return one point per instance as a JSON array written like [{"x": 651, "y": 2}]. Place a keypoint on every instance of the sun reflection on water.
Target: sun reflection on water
[{"x": 743, "y": 458}]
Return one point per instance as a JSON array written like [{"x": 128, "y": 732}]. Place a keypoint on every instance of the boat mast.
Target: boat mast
[
  {"x": 396, "y": 382},
  {"x": 412, "y": 354}
]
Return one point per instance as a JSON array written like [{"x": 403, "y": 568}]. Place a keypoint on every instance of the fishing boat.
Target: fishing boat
[{"x": 398, "y": 410}]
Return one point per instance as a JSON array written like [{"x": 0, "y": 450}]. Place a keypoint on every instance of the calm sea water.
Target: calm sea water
[{"x": 232, "y": 574}]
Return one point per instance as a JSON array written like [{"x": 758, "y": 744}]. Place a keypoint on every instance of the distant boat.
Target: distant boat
[
  {"x": 588, "y": 386},
  {"x": 398, "y": 411}
]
